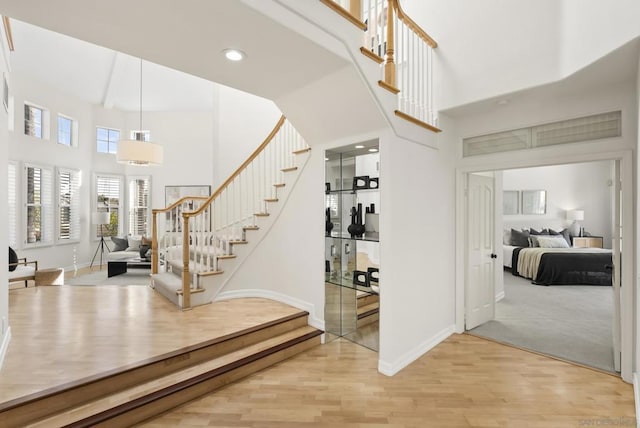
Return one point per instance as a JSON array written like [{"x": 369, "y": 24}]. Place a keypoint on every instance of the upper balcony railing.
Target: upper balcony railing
[{"x": 403, "y": 48}]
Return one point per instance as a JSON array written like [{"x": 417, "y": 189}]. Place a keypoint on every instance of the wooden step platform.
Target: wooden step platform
[{"x": 263, "y": 333}]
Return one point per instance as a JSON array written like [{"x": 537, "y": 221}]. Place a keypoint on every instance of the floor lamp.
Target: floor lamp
[{"x": 100, "y": 218}]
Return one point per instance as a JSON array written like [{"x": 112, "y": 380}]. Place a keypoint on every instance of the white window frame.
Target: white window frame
[
  {"x": 12, "y": 205},
  {"x": 46, "y": 205},
  {"x": 73, "y": 131},
  {"x": 73, "y": 205},
  {"x": 133, "y": 206},
  {"x": 100, "y": 207},
  {"x": 44, "y": 121},
  {"x": 109, "y": 142}
]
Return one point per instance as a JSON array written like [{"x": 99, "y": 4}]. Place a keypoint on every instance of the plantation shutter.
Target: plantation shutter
[
  {"x": 12, "y": 209},
  {"x": 108, "y": 200},
  {"x": 139, "y": 190},
  {"x": 68, "y": 204}
]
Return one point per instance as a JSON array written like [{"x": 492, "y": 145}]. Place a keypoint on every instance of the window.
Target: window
[
  {"x": 107, "y": 140},
  {"x": 141, "y": 135},
  {"x": 65, "y": 126},
  {"x": 39, "y": 204},
  {"x": 33, "y": 117},
  {"x": 108, "y": 191},
  {"x": 139, "y": 207},
  {"x": 12, "y": 208},
  {"x": 68, "y": 205}
]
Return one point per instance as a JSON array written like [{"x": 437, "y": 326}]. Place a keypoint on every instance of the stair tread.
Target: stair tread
[
  {"x": 261, "y": 214},
  {"x": 279, "y": 185},
  {"x": 301, "y": 151},
  {"x": 289, "y": 169},
  {"x": 105, "y": 403},
  {"x": 194, "y": 267},
  {"x": 368, "y": 308},
  {"x": 271, "y": 200},
  {"x": 250, "y": 227}
]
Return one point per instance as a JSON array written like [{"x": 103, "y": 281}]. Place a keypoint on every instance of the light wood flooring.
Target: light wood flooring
[
  {"x": 463, "y": 382},
  {"x": 66, "y": 333}
]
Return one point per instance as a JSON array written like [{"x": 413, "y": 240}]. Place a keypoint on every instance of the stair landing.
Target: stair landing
[{"x": 87, "y": 331}]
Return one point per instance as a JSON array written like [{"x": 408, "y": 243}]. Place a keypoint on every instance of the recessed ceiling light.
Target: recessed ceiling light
[
  {"x": 234, "y": 54},
  {"x": 373, "y": 149},
  {"x": 359, "y": 146}
]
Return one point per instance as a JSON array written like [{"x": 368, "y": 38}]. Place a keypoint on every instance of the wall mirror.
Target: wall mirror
[
  {"x": 511, "y": 202},
  {"x": 534, "y": 202}
]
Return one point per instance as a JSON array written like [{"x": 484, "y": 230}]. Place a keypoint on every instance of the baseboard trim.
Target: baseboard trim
[
  {"x": 314, "y": 321},
  {"x": 499, "y": 296},
  {"x": 390, "y": 369},
  {"x": 4, "y": 347}
]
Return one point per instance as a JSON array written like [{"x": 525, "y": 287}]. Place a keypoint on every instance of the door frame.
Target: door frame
[{"x": 628, "y": 283}]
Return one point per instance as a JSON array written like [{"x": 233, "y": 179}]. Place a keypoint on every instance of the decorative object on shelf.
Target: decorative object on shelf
[
  {"x": 361, "y": 182},
  {"x": 576, "y": 215},
  {"x": 327, "y": 187},
  {"x": 373, "y": 274},
  {"x": 328, "y": 226},
  {"x": 373, "y": 182},
  {"x": 361, "y": 278},
  {"x": 371, "y": 220},
  {"x": 356, "y": 228},
  {"x": 327, "y": 266}
]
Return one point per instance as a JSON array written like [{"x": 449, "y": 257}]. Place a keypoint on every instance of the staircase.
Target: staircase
[{"x": 221, "y": 231}]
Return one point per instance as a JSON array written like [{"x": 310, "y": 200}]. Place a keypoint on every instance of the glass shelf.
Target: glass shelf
[
  {"x": 352, "y": 191},
  {"x": 367, "y": 236}
]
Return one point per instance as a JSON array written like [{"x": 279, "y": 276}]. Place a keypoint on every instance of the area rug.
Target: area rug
[{"x": 133, "y": 277}]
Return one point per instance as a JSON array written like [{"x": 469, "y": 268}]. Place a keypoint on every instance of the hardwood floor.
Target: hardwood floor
[
  {"x": 463, "y": 382},
  {"x": 65, "y": 333}
]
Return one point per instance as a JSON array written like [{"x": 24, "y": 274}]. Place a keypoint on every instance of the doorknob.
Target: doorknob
[{"x": 494, "y": 256}]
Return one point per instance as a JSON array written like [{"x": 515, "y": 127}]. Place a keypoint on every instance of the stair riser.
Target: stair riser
[
  {"x": 367, "y": 300},
  {"x": 367, "y": 320},
  {"x": 65, "y": 399},
  {"x": 182, "y": 396}
]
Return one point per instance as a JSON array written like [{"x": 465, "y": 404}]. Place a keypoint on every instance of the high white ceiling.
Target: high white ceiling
[
  {"x": 188, "y": 35},
  {"x": 102, "y": 76}
]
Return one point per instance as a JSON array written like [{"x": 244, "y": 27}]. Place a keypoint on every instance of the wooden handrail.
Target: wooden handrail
[
  {"x": 178, "y": 202},
  {"x": 237, "y": 172},
  {"x": 412, "y": 24}
]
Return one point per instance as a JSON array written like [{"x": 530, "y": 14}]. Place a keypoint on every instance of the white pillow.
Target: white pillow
[
  {"x": 506, "y": 236},
  {"x": 134, "y": 243},
  {"x": 552, "y": 241}
]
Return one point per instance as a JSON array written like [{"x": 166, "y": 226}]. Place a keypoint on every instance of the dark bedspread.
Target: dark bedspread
[{"x": 580, "y": 268}]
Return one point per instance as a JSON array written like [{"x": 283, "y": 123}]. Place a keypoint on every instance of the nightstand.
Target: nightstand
[{"x": 587, "y": 241}]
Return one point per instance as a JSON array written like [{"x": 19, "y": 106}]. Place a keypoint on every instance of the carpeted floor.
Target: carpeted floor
[
  {"x": 132, "y": 277},
  {"x": 573, "y": 322}
]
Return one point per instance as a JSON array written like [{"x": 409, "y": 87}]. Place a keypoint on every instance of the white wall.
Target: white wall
[
  {"x": 496, "y": 47},
  {"x": 244, "y": 122},
  {"x": 585, "y": 186},
  {"x": 417, "y": 263},
  {"x": 5, "y": 332}
]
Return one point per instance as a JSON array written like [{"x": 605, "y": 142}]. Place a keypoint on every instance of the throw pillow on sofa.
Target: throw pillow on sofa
[
  {"x": 134, "y": 243},
  {"x": 121, "y": 244}
]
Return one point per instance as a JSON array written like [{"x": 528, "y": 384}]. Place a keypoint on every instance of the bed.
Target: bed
[{"x": 540, "y": 259}]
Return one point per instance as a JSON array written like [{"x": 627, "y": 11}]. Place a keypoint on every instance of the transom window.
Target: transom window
[
  {"x": 65, "y": 130},
  {"x": 107, "y": 140},
  {"x": 33, "y": 117}
]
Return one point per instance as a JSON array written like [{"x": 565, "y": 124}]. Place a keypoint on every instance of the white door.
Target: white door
[
  {"x": 480, "y": 295},
  {"x": 616, "y": 282}
]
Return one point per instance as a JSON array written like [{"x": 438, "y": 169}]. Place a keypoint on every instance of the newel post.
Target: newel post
[
  {"x": 389, "y": 65},
  {"x": 154, "y": 242},
  {"x": 186, "y": 282}
]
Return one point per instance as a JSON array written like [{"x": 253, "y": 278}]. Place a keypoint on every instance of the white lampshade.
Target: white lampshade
[
  {"x": 575, "y": 215},
  {"x": 140, "y": 153},
  {"x": 101, "y": 218}
]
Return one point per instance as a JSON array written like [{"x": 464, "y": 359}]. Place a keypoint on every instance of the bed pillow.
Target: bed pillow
[
  {"x": 532, "y": 231},
  {"x": 519, "y": 239},
  {"x": 552, "y": 242},
  {"x": 533, "y": 241},
  {"x": 120, "y": 243},
  {"x": 564, "y": 233},
  {"x": 506, "y": 237}
]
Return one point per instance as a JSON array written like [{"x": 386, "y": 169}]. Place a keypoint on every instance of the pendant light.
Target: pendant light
[{"x": 139, "y": 152}]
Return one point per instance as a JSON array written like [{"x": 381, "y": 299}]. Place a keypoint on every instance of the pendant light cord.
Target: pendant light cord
[{"x": 140, "y": 130}]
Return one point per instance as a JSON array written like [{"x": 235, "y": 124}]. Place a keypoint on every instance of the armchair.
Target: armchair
[{"x": 20, "y": 269}]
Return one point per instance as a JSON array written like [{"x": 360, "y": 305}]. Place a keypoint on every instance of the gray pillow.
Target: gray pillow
[
  {"x": 120, "y": 243},
  {"x": 565, "y": 234},
  {"x": 519, "y": 239}
]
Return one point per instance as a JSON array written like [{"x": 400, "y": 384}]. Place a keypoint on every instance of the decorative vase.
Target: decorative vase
[
  {"x": 356, "y": 228},
  {"x": 328, "y": 226}
]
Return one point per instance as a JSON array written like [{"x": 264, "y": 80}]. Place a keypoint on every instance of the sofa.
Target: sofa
[{"x": 129, "y": 247}]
